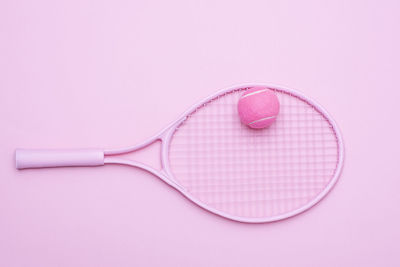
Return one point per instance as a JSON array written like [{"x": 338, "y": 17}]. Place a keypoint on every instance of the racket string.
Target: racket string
[{"x": 253, "y": 173}]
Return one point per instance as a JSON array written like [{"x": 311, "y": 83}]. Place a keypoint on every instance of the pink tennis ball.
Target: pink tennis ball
[{"x": 258, "y": 107}]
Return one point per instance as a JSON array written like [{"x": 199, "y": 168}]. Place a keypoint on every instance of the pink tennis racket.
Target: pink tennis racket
[{"x": 227, "y": 168}]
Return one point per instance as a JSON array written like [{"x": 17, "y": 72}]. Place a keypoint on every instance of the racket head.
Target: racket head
[{"x": 252, "y": 175}]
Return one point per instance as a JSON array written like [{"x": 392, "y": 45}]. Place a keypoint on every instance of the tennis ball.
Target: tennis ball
[{"x": 258, "y": 107}]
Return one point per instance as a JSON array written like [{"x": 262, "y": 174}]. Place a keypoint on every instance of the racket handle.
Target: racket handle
[{"x": 44, "y": 158}]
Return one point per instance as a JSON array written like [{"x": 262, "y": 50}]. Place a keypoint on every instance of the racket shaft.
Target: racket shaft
[{"x": 44, "y": 158}]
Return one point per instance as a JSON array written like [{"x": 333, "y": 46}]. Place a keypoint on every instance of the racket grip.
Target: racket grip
[{"x": 44, "y": 158}]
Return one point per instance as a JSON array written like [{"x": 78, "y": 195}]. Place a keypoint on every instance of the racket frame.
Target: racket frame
[{"x": 96, "y": 157}]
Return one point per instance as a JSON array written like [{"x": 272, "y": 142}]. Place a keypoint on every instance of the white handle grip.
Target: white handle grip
[{"x": 43, "y": 158}]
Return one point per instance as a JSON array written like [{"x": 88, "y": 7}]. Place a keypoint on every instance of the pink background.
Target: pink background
[{"x": 111, "y": 73}]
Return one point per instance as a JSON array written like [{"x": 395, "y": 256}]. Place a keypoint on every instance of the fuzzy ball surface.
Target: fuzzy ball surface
[{"x": 258, "y": 107}]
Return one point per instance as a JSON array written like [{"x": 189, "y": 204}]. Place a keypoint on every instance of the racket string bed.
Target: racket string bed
[{"x": 254, "y": 173}]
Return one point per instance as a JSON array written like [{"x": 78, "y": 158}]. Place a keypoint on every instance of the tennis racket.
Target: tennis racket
[{"x": 227, "y": 168}]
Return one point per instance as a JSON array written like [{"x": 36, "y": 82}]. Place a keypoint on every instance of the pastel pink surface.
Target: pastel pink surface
[
  {"x": 258, "y": 110},
  {"x": 75, "y": 74}
]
